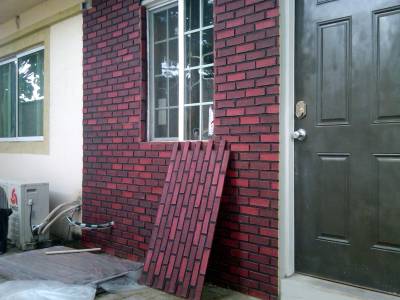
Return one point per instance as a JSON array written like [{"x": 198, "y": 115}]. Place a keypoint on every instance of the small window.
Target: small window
[
  {"x": 22, "y": 96},
  {"x": 181, "y": 73}
]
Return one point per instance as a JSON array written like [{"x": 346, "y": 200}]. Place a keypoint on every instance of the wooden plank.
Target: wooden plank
[{"x": 72, "y": 251}]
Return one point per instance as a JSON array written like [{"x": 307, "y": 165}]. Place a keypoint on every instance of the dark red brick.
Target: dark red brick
[{"x": 124, "y": 174}]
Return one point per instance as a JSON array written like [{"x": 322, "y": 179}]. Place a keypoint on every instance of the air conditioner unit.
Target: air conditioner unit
[{"x": 30, "y": 205}]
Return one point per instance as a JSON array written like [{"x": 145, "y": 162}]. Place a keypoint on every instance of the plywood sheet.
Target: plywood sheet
[{"x": 180, "y": 246}]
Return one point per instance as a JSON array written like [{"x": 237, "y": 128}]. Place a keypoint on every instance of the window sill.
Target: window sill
[
  {"x": 175, "y": 141},
  {"x": 23, "y": 139},
  {"x": 162, "y": 140}
]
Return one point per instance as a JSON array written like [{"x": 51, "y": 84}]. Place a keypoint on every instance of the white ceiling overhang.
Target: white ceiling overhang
[{"x": 9, "y": 9}]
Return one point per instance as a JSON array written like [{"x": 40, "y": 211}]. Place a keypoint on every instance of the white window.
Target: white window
[
  {"x": 21, "y": 96},
  {"x": 181, "y": 70}
]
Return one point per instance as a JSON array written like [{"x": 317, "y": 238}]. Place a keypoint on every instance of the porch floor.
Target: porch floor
[
  {"x": 300, "y": 287},
  {"x": 88, "y": 268},
  {"x": 210, "y": 292}
]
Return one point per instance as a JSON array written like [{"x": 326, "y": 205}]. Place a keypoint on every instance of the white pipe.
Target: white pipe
[
  {"x": 58, "y": 216},
  {"x": 39, "y": 227},
  {"x": 53, "y": 212}
]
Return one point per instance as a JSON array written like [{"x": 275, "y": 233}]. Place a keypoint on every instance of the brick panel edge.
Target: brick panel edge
[{"x": 124, "y": 174}]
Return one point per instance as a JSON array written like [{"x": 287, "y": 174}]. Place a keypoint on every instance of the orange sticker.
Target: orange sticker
[{"x": 14, "y": 199}]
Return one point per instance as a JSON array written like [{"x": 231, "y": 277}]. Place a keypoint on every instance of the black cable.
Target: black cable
[
  {"x": 91, "y": 226},
  {"x": 30, "y": 219},
  {"x": 69, "y": 225}
]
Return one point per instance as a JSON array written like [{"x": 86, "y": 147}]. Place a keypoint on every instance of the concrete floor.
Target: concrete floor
[
  {"x": 297, "y": 287},
  {"x": 300, "y": 287},
  {"x": 210, "y": 292}
]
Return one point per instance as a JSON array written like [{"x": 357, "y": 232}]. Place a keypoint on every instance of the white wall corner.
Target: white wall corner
[{"x": 286, "y": 168}]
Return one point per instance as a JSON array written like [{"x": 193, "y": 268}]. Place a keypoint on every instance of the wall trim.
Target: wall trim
[
  {"x": 286, "y": 145},
  {"x": 153, "y": 4}
]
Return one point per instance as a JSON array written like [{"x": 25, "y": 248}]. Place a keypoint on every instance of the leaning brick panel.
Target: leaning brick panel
[{"x": 180, "y": 246}]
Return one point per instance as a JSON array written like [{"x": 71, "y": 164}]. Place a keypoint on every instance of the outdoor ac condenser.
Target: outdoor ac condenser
[{"x": 30, "y": 205}]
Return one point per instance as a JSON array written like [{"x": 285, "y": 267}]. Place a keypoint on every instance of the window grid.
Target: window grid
[
  {"x": 181, "y": 55},
  {"x": 167, "y": 107},
  {"x": 15, "y": 60},
  {"x": 16, "y": 98},
  {"x": 182, "y": 68},
  {"x": 201, "y": 30},
  {"x": 168, "y": 61},
  {"x": 165, "y": 40}
]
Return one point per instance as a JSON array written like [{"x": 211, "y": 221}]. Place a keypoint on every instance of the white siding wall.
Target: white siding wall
[{"x": 62, "y": 168}]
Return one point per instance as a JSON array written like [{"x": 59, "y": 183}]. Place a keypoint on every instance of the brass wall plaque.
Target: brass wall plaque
[{"x": 301, "y": 109}]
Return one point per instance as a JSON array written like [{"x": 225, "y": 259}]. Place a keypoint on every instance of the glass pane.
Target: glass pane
[
  {"x": 192, "y": 49},
  {"x": 166, "y": 73},
  {"x": 192, "y": 87},
  {"x": 160, "y": 58},
  {"x": 208, "y": 46},
  {"x": 161, "y": 123},
  {"x": 173, "y": 122},
  {"x": 173, "y": 22},
  {"x": 7, "y": 100},
  {"x": 192, "y": 123},
  {"x": 207, "y": 75},
  {"x": 208, "y": 122},
  {"x": 208, "y": 12},
  {"x": 160, "y": 86},
  {"x": 31, "y": 94},
  {"x": 173, "y": 91},
  {"x": 160, "y": 26},
  {"x": 192, "y": 14},
  {"x": 173, "y": 56}
]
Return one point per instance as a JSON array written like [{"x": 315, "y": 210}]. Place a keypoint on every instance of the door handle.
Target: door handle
[{"x": 299, "y": 135}]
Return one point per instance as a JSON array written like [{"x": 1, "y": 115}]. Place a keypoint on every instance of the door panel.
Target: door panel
[
  {"x": 347, "y": 171},
  {"x": 334, "y": 185},
  {"x": 388, "y": 204},
  {"x": 387, "y": 45},
  {"x": 333, "y": 72}
]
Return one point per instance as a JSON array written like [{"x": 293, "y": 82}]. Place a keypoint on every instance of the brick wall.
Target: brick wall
[
  {"x": 124, "y": 174},
  {"x": 247, "y": 115}
]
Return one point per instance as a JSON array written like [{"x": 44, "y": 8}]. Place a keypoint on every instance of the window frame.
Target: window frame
[
  {"x": 150, "y": 74},
  {"x": 154, "y": 7},
  {"x": 14, "y": 59}
]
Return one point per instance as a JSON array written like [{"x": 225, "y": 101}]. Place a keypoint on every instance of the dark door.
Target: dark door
[{"x": 347, "y": 170}]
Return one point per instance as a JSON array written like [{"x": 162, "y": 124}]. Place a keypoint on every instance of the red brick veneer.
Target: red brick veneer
[{"x": 124, "y": 174}]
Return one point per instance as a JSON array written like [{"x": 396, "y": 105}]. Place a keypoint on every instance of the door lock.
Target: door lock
[
  {"x": 301, "y": 110},
  {"x": 299, "y": 135}
]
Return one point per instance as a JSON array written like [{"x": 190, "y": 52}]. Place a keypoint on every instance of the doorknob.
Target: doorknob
[{"x": 299, "y": 135}]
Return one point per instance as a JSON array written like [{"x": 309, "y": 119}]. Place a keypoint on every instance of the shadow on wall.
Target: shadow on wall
[
  {"x": 61, "y": 228},
  {"x": 220, "y": 258}
]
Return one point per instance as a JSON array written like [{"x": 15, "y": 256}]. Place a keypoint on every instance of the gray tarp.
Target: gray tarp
[{"x": 44, "y": 290}]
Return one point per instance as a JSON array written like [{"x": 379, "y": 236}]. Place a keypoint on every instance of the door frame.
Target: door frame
[
  {"x": 286, "y": 266},
  {"x": 286, "y": 242}
]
